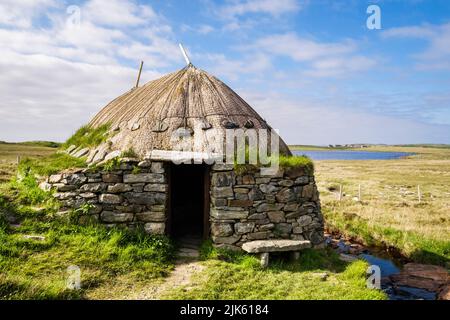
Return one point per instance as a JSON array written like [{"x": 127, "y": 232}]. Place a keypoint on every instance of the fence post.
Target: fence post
[
  {"x": 340, "y": 192},
  {"x": 418, "y": 193},
  {"x": 18, "y": 159},
  {"x": 359, "y": 192}
]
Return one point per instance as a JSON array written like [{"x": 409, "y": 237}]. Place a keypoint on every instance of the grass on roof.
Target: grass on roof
[{"x": 88, "y": 136}]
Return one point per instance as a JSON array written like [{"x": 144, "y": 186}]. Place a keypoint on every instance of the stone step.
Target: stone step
[{"x": 260, "y": 246}]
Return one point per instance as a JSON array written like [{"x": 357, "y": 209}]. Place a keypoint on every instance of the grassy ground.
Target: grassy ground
[
  {"x": 115, "y": 264},
  {"x": 9, "y": 153},
  {"x": 390, "y": 211},
  {"x": 318, "y": 274}
]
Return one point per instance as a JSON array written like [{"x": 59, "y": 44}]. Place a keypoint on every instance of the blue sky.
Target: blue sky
[{"x": 312, "y": 68}]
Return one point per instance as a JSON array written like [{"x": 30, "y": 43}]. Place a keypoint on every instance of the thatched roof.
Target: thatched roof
[{"x": 145, "y": 118}]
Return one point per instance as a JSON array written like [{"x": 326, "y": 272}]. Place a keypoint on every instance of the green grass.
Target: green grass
[
  {"x": 283, "y": 161},
  {"x": 88, "y": 136},
  {"x": 51, "y": 164},
  {"x": 241, "y": 277},
  {"x": 36, "y": 269}
]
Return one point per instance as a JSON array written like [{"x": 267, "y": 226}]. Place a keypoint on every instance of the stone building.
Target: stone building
[{"x": 204, "y": 196}]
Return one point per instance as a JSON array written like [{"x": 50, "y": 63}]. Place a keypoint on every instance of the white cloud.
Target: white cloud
[
  {"x": 437, "y": 55},
  {"x": 53, "y": 78},
  {"x": 20, "y": 13},
  {"x": 274, "y": 8}
]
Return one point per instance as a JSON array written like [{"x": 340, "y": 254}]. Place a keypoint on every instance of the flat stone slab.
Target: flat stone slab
[{"x": 259, "y": 246}]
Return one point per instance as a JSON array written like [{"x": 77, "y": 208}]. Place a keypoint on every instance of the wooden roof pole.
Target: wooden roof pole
[{"x": 139, "y": 74}]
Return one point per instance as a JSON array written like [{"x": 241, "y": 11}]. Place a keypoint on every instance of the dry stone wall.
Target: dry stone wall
[
  {"x": 243, "y": 207},
  {"x": 249, "y": 206},
  {"x": 133, "y": 194}
]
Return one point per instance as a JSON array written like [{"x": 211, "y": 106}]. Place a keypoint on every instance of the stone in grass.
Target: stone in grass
[
  {"x": 155, "y": 227},
  {"x": 275, "y": 245}
]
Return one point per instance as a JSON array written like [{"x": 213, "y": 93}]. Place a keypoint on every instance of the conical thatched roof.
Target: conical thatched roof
[{"x": 145, "y": 118}]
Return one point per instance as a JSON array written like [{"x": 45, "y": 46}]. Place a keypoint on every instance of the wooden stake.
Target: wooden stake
[
  {"x": 359, "y": 192},
  {"x": 139, "y": 74},
  {"x": 18, "y": 159},
  {"x": 418, "y": 193},
  {"x": 340, "y": 192}
]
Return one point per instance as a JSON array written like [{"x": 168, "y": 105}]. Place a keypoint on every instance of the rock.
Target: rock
[
  {"x": 286, "y": 183},
  {"x": 110, "y": 216},
  {"x": 241, "y": 190},
  {"x": 283, "y": 228},
  {"x": 88, "y": 195},
  {"x": 139, "y": 198},
  {"x": 45, "y": 186},
  {"x": 71, "y": 148},
  {"x": 221, "y": 229},
  {"x": 297, "y": 230},
  {"x": 150, "y": 216},
  {"x": 268, "y": 188},
  {"x": 155, "y": 188},
  {"x": 228, "y": 214},
  {"x": 294, "y": 172},
  {"x": 304, "y": 221},
  {"x": 91, "y": 155},
  {"x": 111, "y": 178},
  {"x": 99, "y": 156},
  {"x": 266, "y": 227},
  {"x": 276, "y": 216},
  {"x": 244, "y": 227},
  {"x": 291, "y": 206},
  {"x": 258, "y": 235},
  {"x": 34, "y": 237},
  {"x": 222, "y": 179},
  {"x": 145, "y": 164},
  {"x": 428, "y": 277},
  {"x": 112, "y": 155},
  {"x": 155, "y": 227},
  {"x": 76, "y": 178},
  {"x": 55, "y": 178},
  {"x": 285, "y": 195},
  {"x": 248, "y": 179},
  {"x": 264, "y": 207},
  {"x": 226, "y": 240},
  {"x": 222, "y": 192},
  {"x": 81, "y": 153},
  {"x": 110, "y": 198},
  {"x": 240, "y": 203},
  {"x": 64, "y": 195},
  {"x": 93, "y": 187},
  {"x": 444, "y": 293},
  {"x": 119, "y": 187},
  {"x": 257, "y": 216},
  {"x": 302, "y": 180},
  {"x": 143, "y": 178},
  {"x": 275, "y": 246},
  {"x": 262, "y": 180},
  {"x": 222, "y": 167},
  {"x": 308, "y": 191},
  {"x": 157, "y": 167},
  {"x": 255, "y": 194}
]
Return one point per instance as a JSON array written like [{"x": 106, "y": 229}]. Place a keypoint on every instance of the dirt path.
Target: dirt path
[{"x": 180, "y": 276}]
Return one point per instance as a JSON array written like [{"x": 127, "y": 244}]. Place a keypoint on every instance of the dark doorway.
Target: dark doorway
[{"x": 189, "y": 201}]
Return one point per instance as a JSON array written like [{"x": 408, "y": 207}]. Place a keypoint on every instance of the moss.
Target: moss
[
  {"x": 283, "y": 161},
  {"x": 130, "y": 153},
  {"x": 88, "y": 136}
]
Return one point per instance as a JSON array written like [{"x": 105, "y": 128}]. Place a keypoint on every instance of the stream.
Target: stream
[{"x": 388, "y": 266}]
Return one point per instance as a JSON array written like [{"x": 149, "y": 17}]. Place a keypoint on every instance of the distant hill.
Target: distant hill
[{"x": 48, "y": 144}]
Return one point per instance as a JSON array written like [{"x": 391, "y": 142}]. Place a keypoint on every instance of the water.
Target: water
[
  {"x": 387, "y": 267},
  {"x": 351, "y": 155}
]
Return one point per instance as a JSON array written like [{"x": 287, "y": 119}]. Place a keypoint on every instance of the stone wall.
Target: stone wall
[
  {"x": 243, "y": 207},
  {"x": 253, "y": 207},
  {"x": 134, "y": 193}
]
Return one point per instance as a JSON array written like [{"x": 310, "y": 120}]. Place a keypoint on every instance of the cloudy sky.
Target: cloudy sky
[{"x": 312, "y": 68}]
